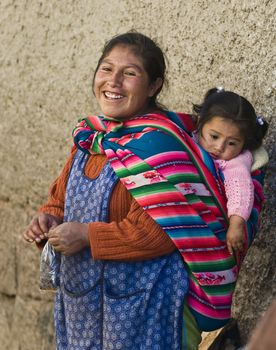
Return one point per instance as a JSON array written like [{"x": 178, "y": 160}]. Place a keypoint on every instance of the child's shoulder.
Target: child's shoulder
[
  {"x": 253, "y": 160},
  {"x": 242, "y": 161},
  {"x": 245, "y": 157}
]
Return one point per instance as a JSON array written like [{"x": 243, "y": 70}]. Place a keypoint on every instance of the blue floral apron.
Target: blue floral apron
[{"x": 106, "y": 305}]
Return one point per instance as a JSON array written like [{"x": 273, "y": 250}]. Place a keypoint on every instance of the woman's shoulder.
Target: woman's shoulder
[{"x": 185, "y": 120}]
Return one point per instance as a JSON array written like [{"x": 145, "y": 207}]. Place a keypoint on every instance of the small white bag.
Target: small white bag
[{"x": 49, "y": 268}]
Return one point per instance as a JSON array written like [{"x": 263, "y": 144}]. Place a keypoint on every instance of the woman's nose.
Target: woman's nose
[{"x": 116, "y": 78}]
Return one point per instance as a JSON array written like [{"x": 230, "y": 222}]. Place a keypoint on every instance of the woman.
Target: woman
[
  {"x": 123, "y": 281},
  {"x": 103, "y": 302}
]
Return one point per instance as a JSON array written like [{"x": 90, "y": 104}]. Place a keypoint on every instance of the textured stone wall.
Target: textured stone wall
[{"x": 48, "y": 51}]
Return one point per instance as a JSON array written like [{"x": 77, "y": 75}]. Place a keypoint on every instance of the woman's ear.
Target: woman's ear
[{"x": 155, "y": 86}]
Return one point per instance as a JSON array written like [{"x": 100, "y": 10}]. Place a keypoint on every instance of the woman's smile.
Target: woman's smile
[{"x": 112, "y": 95}]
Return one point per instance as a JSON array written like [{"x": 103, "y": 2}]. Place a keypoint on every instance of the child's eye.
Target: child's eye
[
  {"x": 214, "y": 137},
  {"x": 232, "y": 143}
]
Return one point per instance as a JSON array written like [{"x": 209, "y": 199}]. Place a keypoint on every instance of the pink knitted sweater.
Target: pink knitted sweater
[{"x": 238, "y": 184}]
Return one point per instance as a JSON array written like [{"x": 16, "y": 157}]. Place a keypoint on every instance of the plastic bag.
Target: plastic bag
[{"x": 49, "y": 268}]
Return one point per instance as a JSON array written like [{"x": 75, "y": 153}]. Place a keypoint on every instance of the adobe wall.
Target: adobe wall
[{"x": 48, "y": 53}]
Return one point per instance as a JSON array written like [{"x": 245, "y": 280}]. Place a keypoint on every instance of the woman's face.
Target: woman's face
[
  {"x": 122, "y": 87},
  {"x": 221, "y": 138}
]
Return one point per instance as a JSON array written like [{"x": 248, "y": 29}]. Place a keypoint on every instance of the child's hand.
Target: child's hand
[{"x": 235, "y": 234}]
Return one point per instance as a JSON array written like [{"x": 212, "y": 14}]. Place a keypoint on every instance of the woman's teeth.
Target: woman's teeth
[{"x": 111, "y": 95}]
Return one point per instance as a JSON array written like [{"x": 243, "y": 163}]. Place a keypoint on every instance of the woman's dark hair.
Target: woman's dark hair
[
  {"x": 152, "y": 57},
  {"x": 229, "y": 105}
]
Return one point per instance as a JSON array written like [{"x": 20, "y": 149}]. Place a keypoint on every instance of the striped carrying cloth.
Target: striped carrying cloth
[{"x": 180, "y": 187}]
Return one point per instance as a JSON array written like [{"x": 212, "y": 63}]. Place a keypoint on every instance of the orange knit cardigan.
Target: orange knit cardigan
[{"x": 130, "y": 234}]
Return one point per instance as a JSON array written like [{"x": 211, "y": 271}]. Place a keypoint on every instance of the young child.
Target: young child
[{"x": 229, "y": 129}]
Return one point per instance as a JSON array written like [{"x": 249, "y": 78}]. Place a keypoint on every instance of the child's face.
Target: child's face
[{"x": 221, "y": 138}]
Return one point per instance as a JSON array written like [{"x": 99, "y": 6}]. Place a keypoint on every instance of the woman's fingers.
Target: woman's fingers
[
  {"x": 54, "y": 241},
  {"x": 38, "y": 228},
  {"x": 29, "y": 236},
  {"x": 33, "y": 231},
  {"x": 69, "y": 238},
  {"x": 44, "y": 223}
]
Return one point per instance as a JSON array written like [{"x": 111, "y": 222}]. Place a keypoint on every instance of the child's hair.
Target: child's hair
[{"x": 229, "y": 105}]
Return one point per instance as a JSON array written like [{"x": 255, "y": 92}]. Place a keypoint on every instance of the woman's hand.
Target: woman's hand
[
  {"x": 69, "y": 237},
  {"x": 40, "y": 226},
  {"x": 235, "y": 234}
]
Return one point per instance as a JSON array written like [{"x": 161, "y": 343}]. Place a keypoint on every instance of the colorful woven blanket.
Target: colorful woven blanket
[{"x": 180, "y": 187}]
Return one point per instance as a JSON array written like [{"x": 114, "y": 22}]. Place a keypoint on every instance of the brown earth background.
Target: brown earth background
[{"x": 48, "y": 50}]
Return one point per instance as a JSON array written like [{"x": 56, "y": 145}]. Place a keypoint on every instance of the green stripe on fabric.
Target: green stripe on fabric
[
  {"x": 191, "y": 336},
  {"x": 187, "y": 177},
  {"x": 216, "y": 290},
  {"x": 208, "y": 201},
  {"x": 224, "y": 289},
  {"x": 139, "y": 168},
  {"x": 193, "y": 198},
  {"x": 134, "y": 170},
  {"x": 210, "y": 266},
  {"x": 160, "y": 187},
  {"x": 89, "y": 123}
]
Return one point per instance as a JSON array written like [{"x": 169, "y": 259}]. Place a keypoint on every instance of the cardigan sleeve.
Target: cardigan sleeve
[
  {"x": 137, "y": 237},
  {"x": 238, "y": 184}
]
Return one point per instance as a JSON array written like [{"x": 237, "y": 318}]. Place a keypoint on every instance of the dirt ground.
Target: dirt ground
[{"x": 207, "y": 339}]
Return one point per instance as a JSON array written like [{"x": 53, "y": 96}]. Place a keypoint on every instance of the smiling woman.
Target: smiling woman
[
  {"x": 122, "y": 281},
  {"x": 122, "y": 86}
]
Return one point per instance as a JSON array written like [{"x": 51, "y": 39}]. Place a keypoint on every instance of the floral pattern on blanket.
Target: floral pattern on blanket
[
  {"x": 193, "y": 188},
  {"x": 214, "y": 278},
  {"x": 143, "y": 179}
]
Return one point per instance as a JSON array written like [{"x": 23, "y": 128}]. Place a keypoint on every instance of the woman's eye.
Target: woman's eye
[
  {"x": 105, "y": 69},
  {"x": 130, "y": 73}
]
